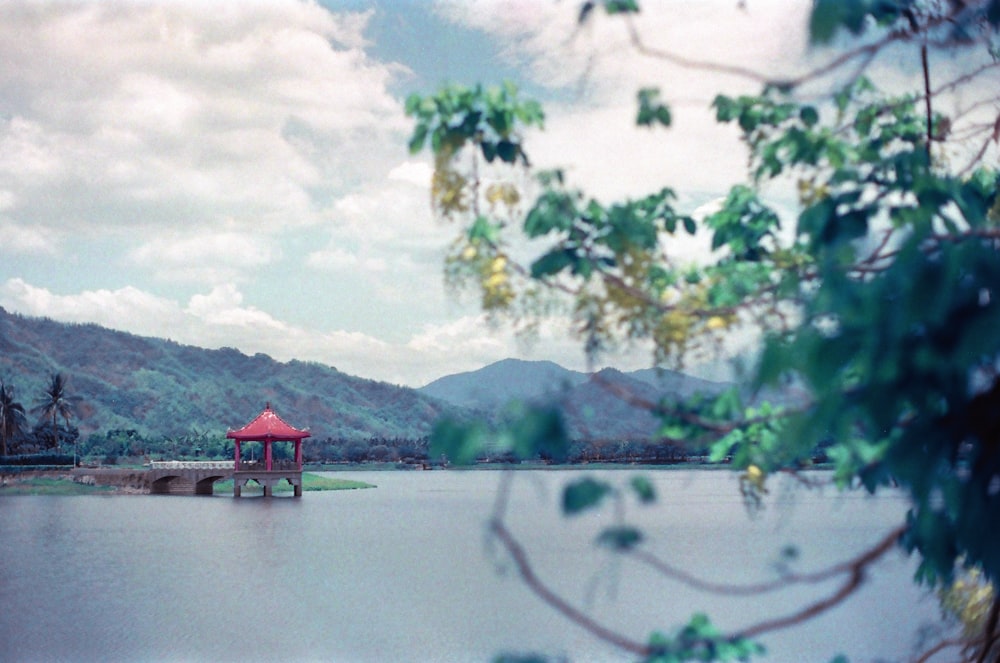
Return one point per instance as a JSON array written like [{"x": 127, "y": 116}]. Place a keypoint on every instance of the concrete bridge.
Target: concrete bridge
[
  {"x": 180, "y": 477},
  {"x": 194, "y": 477}
]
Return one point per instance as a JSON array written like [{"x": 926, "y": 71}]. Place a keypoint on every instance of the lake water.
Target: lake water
[{"x": 405, "y": 572}]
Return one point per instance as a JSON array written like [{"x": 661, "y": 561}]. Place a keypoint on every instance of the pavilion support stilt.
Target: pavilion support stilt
[
  {"x": 237, "y": 489},
  {"x": 267, "y": 490},
  {"x": 298, "y": 490}
]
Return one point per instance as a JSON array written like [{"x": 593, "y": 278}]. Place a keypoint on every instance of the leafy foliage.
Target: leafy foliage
[
  {"x": 700, "y": 640},
  {"x": 880, "y": 305},
  {"x": 529, "y": 432}
]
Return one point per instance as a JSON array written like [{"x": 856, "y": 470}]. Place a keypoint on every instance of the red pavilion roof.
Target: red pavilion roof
[{"x": 267, "y": 426}]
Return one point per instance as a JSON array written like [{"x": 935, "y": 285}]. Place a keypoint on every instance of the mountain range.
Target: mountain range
[
  {"x": 607, "y": 404},
  {"x": 161, "y": 388}
]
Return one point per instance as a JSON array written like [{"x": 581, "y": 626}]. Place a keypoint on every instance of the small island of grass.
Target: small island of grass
[
  {"x": 310, "y": 482},
  {"x": 57, "y": 485}
]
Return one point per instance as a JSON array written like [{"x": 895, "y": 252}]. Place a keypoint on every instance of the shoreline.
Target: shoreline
[{"x": 65, "y": 483}]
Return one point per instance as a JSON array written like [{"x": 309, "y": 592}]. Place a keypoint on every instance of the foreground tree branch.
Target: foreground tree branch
[
  {"x": 855, "y": 570},
  {"x": 849, "y": 567}
]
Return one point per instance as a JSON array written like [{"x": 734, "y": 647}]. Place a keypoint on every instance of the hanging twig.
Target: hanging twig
[
  {"x": 856, "y": 568},
  {"x": 785, "y": 581}
]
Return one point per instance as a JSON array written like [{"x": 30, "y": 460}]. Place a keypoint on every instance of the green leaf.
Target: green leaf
[
  {"x": 613, "y": 7},
  {"x": 508, "y": 151},
  {"x": 828, "y": 16},
  {"x": 521, "y": 658},
  {"x": 584, "y": 494},
  {"x": 721, "y": 449},
  {"x": 483, "y": 229},
  {"x": 809, "y": 116},
  {"x": 418, "y": 138},
  {"x": 643, "y": 488},
  {"x": 825, "y": 20},
  {"x": 553, "y": 211},
  {"x": 621, "y": 538},
  {"x": 815, "y": 218},
  {"x": 552, "y": 263},
  {"x": 651, "y": 109},
  {"x": 459, "y": 442},
  {"x": 539, "y": 431}
]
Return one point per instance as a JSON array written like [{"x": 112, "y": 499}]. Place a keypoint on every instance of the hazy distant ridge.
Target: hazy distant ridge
[{"x": 591, "y": 403}]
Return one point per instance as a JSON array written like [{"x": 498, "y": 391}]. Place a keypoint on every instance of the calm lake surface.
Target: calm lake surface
[{"x": 406, "y": 572}]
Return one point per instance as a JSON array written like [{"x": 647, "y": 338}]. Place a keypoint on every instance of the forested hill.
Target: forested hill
[{"x": 159, "y": 387}]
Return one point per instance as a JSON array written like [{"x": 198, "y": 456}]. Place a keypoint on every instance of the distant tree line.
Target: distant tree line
[{"x": 131, "y": 446}]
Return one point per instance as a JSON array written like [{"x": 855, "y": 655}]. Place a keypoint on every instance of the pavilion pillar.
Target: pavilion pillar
[
  {"x": 298, "y": 455},
  {"x": 267, "y": 455},
  {"x": 236, "y": 465}
]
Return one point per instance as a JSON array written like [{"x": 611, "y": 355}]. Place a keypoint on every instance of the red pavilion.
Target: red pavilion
[{"x": 268, "y": 427}]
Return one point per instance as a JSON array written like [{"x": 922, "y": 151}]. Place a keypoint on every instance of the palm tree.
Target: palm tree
[
  {"x": 57, "y": 403},
  {"x": 12, "y": 417}
]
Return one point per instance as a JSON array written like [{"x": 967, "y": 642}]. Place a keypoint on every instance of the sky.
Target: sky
[{"x": 235, "y": 173}]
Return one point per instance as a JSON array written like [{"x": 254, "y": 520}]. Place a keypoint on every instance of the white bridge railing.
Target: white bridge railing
[{"x": 191, "y": 465}]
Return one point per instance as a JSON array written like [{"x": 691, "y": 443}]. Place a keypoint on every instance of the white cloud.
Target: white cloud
[
  {"x": 30, "y": 240},
  {"x": 335, "y": 259},
  {"x": 223, "y": 307},
  {"x": 383, "y": 233},
  {"x": 183, "y": 114},
  {"x": 204, "y": 257},
  {"x": 127, "y": 308},
  {"x": 417, "y": 173}
]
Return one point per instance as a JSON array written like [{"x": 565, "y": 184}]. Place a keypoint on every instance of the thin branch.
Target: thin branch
[
  {"x": 990, "y": 632},
  {"x": 966, "y": 77},
  {"x": 547, "y": 595},
  {"x": 721, "y": 428},
  {"x": 927, "y": 98},
  {"x": 847, "y": 567},
  {"x": 866, "y": 52},
  {"x": 543, "y": 591},
  {"x": 940, "y": 647},
  {"x": 857, "y": 570},
  {"x": 994, "y": 137}
]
